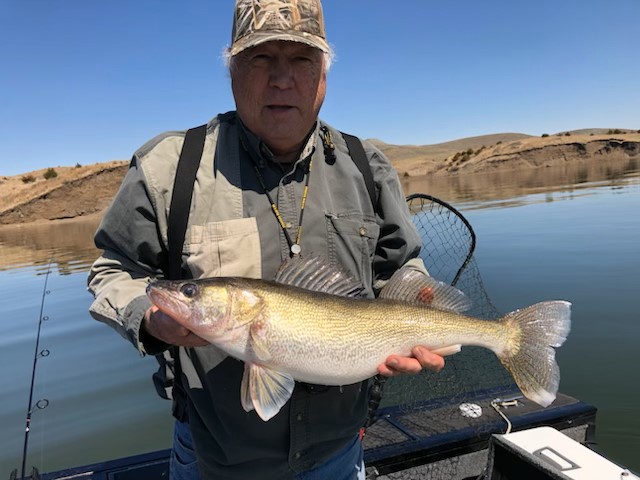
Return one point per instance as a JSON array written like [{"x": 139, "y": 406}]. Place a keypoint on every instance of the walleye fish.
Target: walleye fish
[{"x": 308, "y": 326}]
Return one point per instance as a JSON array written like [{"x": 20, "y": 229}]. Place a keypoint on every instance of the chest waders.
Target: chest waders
[{"x": 188, "y": 164}]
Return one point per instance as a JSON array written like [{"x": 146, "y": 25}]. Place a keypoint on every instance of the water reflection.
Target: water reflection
[
  {"x": 70, "y": 242},
  {"x": 521, "y": 187},
  {"x": 67, "y": 243}
]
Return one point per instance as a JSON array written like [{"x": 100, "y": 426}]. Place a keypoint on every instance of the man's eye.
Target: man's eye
[{"x": 260, "y": 58}]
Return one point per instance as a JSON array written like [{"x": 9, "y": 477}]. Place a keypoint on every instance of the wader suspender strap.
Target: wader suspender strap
[
  {"x": 188, "y": 164},
  {"x": 359, "y": 157},
  {"x": 186, "y": 170}
]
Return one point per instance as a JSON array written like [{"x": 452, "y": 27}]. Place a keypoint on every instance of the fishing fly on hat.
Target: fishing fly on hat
[{"x": 260, "y": 21}]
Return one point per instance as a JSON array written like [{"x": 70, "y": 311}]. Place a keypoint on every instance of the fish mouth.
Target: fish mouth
[{"x": 163, "y": 297}]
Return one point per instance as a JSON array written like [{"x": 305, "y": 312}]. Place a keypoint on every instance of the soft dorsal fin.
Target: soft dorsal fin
[
  {"x": 413, "y": 286},
  {"x": 316, "y": 274}
]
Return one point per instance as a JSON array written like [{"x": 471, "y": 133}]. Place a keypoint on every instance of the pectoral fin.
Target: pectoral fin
[
  {"x": 258, "y": 332},
  {"x": 245, "y": 392},
  {"x": 265, "y": 390}
]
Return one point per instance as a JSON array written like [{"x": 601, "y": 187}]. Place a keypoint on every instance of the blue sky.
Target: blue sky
[{"x": 85, "y": 81}]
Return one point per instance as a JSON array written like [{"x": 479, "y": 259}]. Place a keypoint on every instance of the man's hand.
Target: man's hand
[
  {"x": 165, "y": 328},
  {"x": 421, "y": 358}
]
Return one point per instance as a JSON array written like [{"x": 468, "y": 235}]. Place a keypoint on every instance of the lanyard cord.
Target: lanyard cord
[{"x": 294, "y": 247}]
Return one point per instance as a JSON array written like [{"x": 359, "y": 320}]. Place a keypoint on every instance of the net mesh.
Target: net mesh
[{"x": 448, "y": 246}]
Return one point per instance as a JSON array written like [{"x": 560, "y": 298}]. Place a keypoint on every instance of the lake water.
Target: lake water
[{"x": 569, "y": 234}]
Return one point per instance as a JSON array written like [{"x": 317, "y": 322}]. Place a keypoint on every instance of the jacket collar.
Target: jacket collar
[{"x": 260, "y": 152}]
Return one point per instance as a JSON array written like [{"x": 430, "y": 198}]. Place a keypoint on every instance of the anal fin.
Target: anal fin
[{"x": 446, "y": 351}]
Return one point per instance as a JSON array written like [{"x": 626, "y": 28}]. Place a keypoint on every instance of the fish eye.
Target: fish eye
[{"x": 189, "y": 290}]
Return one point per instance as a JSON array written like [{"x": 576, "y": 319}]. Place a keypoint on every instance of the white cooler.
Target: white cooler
[{"x": 546, "y": 453}]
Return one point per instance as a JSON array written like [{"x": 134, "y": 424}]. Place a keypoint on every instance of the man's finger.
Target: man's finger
[
  {"x": 181, "y": 331},
  {"x": 428, "y": 359},
  {"x": 396, "y": 364}
]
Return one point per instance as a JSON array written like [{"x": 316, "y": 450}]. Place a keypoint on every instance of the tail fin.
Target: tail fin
[{"x": 529, "y": 355}]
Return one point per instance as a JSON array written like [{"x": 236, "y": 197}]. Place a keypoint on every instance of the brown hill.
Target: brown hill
[
  {"x": 401, "y": 154},
  {"x": 74, "y": 192},
  {"x": 87, "y": 190},
  {"x": 508, "y": 152},
  {"x": 544, "y": 152}
]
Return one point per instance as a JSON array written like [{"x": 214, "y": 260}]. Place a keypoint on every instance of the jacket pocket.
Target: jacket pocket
[
  {"x": 230, "y": 248},
  {"x": 352, "y": 239}
]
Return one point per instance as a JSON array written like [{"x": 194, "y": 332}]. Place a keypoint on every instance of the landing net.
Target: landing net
[{"x": 428, "y": 405}]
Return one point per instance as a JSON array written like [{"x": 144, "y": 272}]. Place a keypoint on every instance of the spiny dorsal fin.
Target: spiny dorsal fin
[
  {"x": 413, "y": 286},
  {"x": 316, "y": 274}
]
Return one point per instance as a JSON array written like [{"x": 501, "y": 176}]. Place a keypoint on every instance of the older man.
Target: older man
[{"x": 243, "y": 220}]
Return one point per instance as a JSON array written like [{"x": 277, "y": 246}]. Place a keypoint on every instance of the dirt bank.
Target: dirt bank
[
  {"x": 87, "y": 190},
  {"x": 71, "y": 194},
  {"x": 525, "y": 153}
]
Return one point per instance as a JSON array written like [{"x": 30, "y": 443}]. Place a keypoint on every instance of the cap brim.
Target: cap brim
[{"x": 257, "y": 38}]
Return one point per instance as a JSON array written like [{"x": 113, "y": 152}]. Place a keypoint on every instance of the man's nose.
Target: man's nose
[{"x": 281, "y": 74}]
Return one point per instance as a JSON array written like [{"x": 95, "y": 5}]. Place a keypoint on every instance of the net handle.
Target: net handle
[{"x": 424, "y": 199}]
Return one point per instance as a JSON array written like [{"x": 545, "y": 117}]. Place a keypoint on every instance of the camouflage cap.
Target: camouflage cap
[{"x": 260, "y": 21}]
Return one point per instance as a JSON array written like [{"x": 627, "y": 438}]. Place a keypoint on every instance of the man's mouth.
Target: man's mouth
[{"x": 280, "y": 108}]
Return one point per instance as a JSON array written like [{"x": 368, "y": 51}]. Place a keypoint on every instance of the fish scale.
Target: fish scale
[{"x": 335, "y": 341}]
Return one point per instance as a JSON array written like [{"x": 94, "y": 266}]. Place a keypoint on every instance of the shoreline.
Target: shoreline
[{"x": 85, "y": 192}]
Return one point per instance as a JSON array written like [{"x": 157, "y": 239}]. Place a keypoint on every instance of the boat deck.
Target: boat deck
[{"x": 421, "y": 442}]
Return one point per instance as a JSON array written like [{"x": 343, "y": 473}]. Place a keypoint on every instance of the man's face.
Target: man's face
[{"x": 279, "y": 88}]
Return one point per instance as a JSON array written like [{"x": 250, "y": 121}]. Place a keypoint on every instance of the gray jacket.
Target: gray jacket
[{"x": 233, "y": 232}]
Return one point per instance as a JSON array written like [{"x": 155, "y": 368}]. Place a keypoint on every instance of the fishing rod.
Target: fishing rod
[{"x": 42, "y": 403}]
